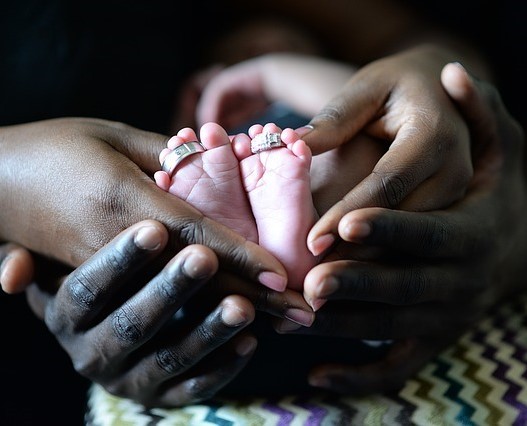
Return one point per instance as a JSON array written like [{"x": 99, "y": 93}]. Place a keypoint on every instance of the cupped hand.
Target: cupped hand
[
  {"x": 70, "y": 185},
  {"x": 439, "y": 271},
  {"x": 398, "y": 101},
  {"x": 133, "y": 321}
]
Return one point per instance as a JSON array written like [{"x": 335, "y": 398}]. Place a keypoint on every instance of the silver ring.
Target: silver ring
[
  {"x": 265, "y": 142},
  {"x": 178, "y": 154}
]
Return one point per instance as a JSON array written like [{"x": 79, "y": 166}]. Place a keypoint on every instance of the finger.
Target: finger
[
  {"x": 462, "y": 89},
  {"x": 481, "y": 105},
  {"x": 214, "y": 373},
  {"x": 234, "y": 251},
  {"x": 396, "y": 284},
  {"x": 88, "y": 290},
  {"x": 172, "y": 360},
  {"x": 288, "y": 304},
  {"x": 427, "y": 235},
  {"x": 404, "y": 359},
  {"x": 16, "y": 268},
  {"x": 342, "y": 117}
]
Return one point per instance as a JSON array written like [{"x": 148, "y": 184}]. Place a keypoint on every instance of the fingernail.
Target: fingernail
[
  {"x": 233, "y": 316},
  {"x": 196, "y": 266},
  {"x": 286, "y": 326},
  {"x": 273, "y": 281},
  {"x": 356, "y": 231},
  {"x": 246, "y": 346},
  {"x": 300, "y": 317},
  {"x": 304, "y": 130},
  {"x": 316, "y": 304},
  {"x": 321, "y": 244},
  {"x": 148, "y": 238},
  {"x": 460, "y": 66}
]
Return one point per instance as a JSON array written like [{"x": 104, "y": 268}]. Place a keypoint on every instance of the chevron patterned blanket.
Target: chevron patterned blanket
[{"x": 481, "y": 380}]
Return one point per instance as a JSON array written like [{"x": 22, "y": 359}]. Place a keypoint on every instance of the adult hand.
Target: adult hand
[
  {"x": 442, "y": 270},
  {"x": 399, "y": 100},
  {"x": 70, "y": 185},
  {"x": 134, "y": 323}
]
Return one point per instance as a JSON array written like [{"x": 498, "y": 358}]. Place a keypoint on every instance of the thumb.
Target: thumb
[
  {"x": 345, "y": 115},
  {"x": 140, "y": 146}
]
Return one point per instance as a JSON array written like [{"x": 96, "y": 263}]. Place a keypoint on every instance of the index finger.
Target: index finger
[
  {"x": 347, "y": 113},
  {"x": 288, "y": 304}
]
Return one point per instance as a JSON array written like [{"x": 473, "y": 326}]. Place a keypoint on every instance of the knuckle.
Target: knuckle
[
  {"x": 83, "y": 288},
  {"x": 169, "y": 289},
  {"x": 191, "y": 231},
  {"x": 436, "y": 235},
  {"x": 127, "y": 325},
  {"x": 393, "y": 188},
  {"x": 209, "y": 336},
  {"x": 329, "y": 115},
  {"x": 412, "y": 287},
  {"x": 172, "y": 362}
]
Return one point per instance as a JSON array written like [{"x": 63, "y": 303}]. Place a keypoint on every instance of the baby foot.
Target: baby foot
[
  {"x": 210, "y": 181},
  {"x": 278, "y": 186}
]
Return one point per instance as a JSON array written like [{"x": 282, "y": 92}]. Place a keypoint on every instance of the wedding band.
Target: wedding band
[
  {"x": 266, "y": 141},
  {"x": 178, "y": 154}
]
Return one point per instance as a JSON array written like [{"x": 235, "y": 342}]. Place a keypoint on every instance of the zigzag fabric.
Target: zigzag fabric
[{"x": 481, "y": 380}]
